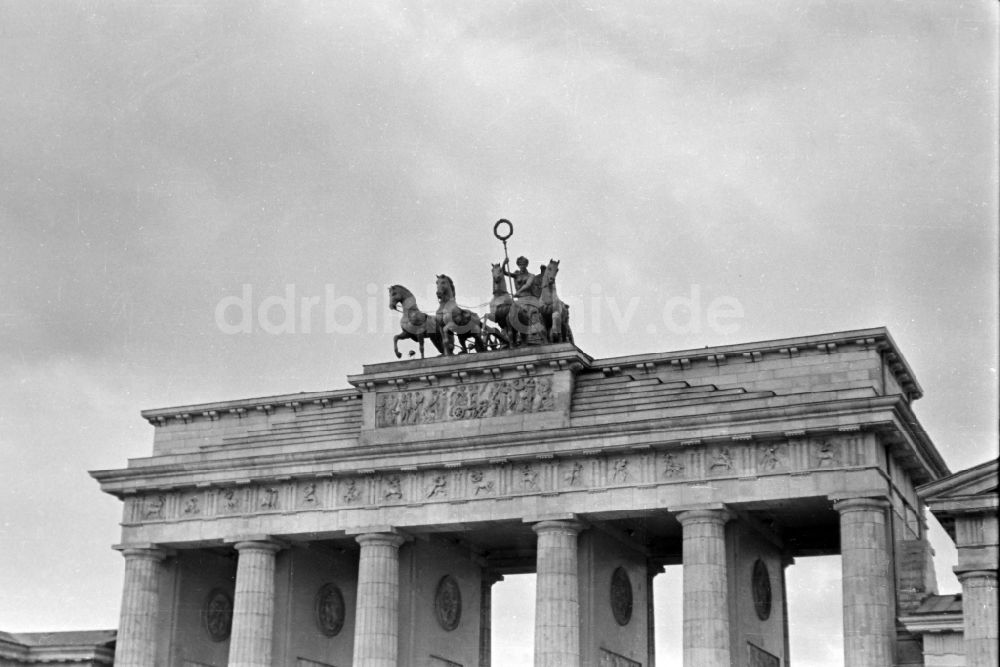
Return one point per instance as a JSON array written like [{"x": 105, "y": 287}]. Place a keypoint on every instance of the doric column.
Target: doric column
[
  {"x": 979, "y": 610},
  {"x": 136, "y": 643},
  {"x": 253, "y": 604},
  {"x": 486, "y": 617},
  {"x": 557, "y": 596},
  {"x": 706, "y": 592},
  {"x": 376, "y": 624},
  {"x": 786, "y": 560},
  {"x": 651, "y": 571},
  {"x": 869, "y": 628}
]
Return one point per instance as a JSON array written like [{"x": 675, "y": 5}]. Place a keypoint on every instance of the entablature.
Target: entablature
[{"x": 877, "y": 415}]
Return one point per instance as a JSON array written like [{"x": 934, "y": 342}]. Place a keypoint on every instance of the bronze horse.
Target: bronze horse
[
  {"x": 416, "y": 325},
  {"x": 501, "y": 308},
  {"x": 455, "y": 321},
  {"x": 555, "y": 313}
]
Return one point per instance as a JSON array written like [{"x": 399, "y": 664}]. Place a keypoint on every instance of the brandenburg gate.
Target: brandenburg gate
[{"x": 366, "y": 526}]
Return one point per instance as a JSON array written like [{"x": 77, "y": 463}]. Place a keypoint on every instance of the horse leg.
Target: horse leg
[
  {"x": 556, "y": 330},
  {"x": 479, "y": 339},
  {"x": 420, "y": 342},
  {"x": 435, "y": 337},
  {"x": 395, "y": 344}
]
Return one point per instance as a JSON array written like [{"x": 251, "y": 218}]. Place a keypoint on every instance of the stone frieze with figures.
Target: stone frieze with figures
[
  {"x": 595, "y": 471},
  {"x": 476, "y": 400}
]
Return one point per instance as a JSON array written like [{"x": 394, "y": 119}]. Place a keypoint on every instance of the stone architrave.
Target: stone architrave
[
  {"x": 557, "y": 595},
  {"x": 376, "y": 629},
  {"x": 136, "y": 642},
  {"x": 706, "y": 637},
  {"x": 252, "y": 638},
  {"x": 869, "y": 627}
]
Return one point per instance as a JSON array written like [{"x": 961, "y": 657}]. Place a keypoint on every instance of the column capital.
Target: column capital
[
  {"x": 970, "y": 575},
  {"x": 490, "y": 577},
  {"x": 859, "y": 503},
  {"x": 380, "y": 539},
  {"x": 558, "y": 526},
  {"x": 149, "y": 551},
  {"x": 257, "y": 543},
  {"x": 717, "y": 514}
]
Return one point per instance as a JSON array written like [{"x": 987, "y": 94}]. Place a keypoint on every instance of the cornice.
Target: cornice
[
  {"x": 967, "y": 505},
  {"x": 941, "y": 489},
  {"x": 942, "y": 622},
  {"x": 928, "y": 458},
  {"x": 876, "y": 338},
  {"x": 268, "y": 404},
  {"x": 526, "y": 361},
  {"x": 832, "y": 417},
  {"x": 522, "y": 362}
]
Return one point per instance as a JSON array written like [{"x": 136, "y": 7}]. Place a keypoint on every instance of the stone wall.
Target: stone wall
[
  {"x": 428, "y": 605},
  {"x": 944, "y": 649},
  {"x": 610, "y": 634},
  {"x": 198, "y": 575},
  {"x": 315, "y": 607},
  {"x": 749, "y": 632}
]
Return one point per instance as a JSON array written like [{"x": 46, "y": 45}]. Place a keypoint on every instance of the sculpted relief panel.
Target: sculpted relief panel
[
  {"x": 499, "y": 398},
  {"x": 612, "y": 659},
  {"x": 588, "y": 471}
]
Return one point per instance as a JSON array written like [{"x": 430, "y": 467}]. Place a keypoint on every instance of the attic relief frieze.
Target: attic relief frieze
[
  {"x": 591, "y": 472},
  {"x": 500, "y": 398}
]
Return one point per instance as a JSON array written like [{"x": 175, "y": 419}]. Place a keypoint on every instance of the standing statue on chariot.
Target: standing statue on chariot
[
  {"x": 533, "y": 315},
  {"x": 525, "y": 282},
  {"x": 526, "y": 315}
]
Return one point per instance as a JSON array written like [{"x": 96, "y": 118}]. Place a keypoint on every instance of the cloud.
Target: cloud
[{"x": 827, "y": 165}]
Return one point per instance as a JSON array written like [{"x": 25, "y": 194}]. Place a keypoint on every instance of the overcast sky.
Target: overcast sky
[{"x": 805, "y": 167}]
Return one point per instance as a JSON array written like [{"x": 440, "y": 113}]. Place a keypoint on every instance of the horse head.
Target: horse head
[
  {"x": 445, "y": 288},
  {"x": 551, "y": 271},
  {"x": 399, "y": 294}
]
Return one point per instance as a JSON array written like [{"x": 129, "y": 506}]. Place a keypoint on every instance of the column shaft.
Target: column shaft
[
  {"x": 869, "y": 628},
  {"x": 486, "y": 618},
  {"x": 557, "y": 596},
  {"x": 651, "y": 573},
  {"x": 253, "y": 605},
  {"x": 979, "y": 609},
  {"x": 706, "y": 588},
  {"x": 376, "y": 629},
  {"x": 136, "y": 643}
]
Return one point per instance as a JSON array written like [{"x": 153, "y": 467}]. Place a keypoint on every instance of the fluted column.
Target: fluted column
[
  {"x": 376, "y": 625},
  {"x": 706, "y": 588},
  {"x": 557, "y": 596},
  {"x": 136, "y": 643},
  {"x": 869, "y": 628},
  {"x": 253, "y": 604},
  {"x": 979, "y": 610}
]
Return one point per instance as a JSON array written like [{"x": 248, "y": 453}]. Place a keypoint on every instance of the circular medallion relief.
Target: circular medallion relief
[
  {"x": 448, "y": 603},
  {"x": 761, "y": 584},
  {"x": 329, "y": 610},
  {"x": 218, "y": 614},
  {"x": 621, "y": 596}
]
